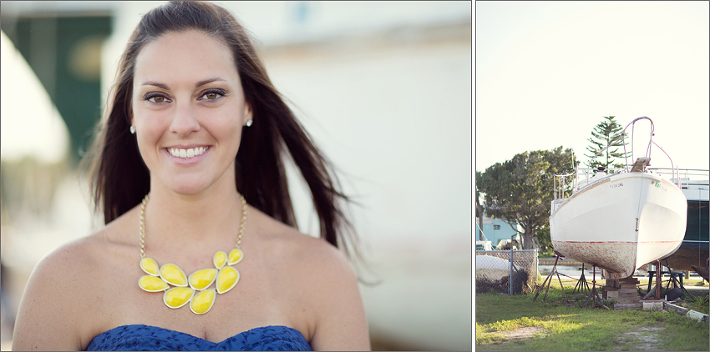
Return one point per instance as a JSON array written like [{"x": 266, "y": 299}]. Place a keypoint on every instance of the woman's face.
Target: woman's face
[{"x": 188, "y": 110}]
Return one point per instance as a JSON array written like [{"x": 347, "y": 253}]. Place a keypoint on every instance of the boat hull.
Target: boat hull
[
  {"x": 687, "y": 256},
  {"x": 694, "y": 249},
  {"x": 620, "y": 222},
  {"x": 492, "y": 268}
]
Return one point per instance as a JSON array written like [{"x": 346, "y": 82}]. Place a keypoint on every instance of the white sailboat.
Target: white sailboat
[{"x": 619, "y": 222}]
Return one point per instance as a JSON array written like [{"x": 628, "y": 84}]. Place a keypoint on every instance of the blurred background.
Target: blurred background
[{"x": 384, "y": 88}]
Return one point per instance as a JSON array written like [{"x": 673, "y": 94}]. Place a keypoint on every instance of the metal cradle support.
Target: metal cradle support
[
  {"x": 672, "y": 279},
  {"x": 548, "y": 280},
  {"x": 594, "y": 294},
  {"x": 582, "y": 283}
]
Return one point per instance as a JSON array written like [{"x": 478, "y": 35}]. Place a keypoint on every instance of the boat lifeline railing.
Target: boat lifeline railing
[
  {"x": 675, "y": 174},
  {"x": 559, "y": 186},
  {"x": 585, "y": 176},
  {"x": 623, "y": 135},
  {"x": 683, "y": 176},
  {"x": 573, "y": 182}
]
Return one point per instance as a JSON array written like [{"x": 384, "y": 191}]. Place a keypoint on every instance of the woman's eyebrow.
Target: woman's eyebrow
[
  {"x": 198, "y": 84},
  {"x": 210, "y": 80},
  {"x": 152, "y": 83}
]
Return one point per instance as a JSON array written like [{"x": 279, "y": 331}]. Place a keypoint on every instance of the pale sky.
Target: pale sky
[{"x": 547, "y": 73}]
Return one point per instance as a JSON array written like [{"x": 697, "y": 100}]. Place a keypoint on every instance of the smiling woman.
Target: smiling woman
[
  {"x": 195, "y": 129},
  {"x": 178, "y": 112}
]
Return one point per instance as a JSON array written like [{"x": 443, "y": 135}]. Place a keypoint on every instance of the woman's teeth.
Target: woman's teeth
[{"x": 186, "y": 153}]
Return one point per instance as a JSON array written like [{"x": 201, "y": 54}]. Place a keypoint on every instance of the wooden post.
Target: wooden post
[{"x": 658, "y": 279}]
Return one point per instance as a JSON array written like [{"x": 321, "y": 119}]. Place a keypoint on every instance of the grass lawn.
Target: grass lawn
[{"x": 516, "y": 323}]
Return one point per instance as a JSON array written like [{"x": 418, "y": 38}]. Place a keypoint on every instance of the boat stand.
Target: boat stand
[
  {"x": 674, "y": 275},
  {"x": 582, "y": 283},
  {"x": 672, "y": 279},
  {"x": 594, "y": 294},
  {"x": 548, "y": 280}
]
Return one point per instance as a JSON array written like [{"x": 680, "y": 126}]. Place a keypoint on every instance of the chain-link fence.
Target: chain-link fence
[{"x": 494, "y": 270}]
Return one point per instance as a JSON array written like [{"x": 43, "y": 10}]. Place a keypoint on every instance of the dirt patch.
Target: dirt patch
[
  {"x": 644, "y": 338},
  {"x": 520, "y": 333}
]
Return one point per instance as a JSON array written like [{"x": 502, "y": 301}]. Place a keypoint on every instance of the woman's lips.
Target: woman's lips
[
  {"x": 187, "y": 155},
  {"x": 186, "y": 152}
]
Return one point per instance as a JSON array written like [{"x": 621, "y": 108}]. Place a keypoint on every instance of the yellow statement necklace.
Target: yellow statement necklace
[{"x": 192, "y": 289}]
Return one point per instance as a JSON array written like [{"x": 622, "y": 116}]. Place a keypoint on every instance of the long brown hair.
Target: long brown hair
[{"x": 120, "y": 179}]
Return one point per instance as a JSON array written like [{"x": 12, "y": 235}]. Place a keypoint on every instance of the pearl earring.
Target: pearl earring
[
  {"x": 132, "y": 129},
  {"x": 250, "y": 122}
]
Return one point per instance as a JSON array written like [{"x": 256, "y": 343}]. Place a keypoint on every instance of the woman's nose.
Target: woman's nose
[{"x": 185, "y": 119}]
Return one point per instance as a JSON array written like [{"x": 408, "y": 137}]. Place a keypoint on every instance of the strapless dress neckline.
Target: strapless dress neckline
[{"x": 139, "y": 337}]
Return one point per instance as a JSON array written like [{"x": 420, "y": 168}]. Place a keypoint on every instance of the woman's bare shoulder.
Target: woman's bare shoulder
[
  {"x": 86, "y": 254},
  {"x": 314, "y": 261},
  {"x": 290, "y": 246},
  {"x": 63, "y": 287},
  {"x": 324, "y": 287}
]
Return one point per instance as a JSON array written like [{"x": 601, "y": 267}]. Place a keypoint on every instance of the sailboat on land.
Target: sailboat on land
[{"x": 621, "y": 221}]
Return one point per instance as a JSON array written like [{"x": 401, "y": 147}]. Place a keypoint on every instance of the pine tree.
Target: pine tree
[{"x": 606, "y": 135}]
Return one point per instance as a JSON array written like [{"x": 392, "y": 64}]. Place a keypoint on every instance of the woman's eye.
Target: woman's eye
[
  {"x": 156, "y": 98},
  {"x": 211, "y": 95}
]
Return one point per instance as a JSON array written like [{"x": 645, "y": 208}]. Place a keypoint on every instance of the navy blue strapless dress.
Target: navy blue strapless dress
[{"x": 153, "y": 338}]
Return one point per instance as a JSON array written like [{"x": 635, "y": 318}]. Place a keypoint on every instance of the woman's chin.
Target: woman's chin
[
  {"x": 187, "y": 188},
  {"x": 197, "y": 182}
]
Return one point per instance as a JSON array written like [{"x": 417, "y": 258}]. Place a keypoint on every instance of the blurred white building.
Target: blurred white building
[{"x": 385, "y": 90}]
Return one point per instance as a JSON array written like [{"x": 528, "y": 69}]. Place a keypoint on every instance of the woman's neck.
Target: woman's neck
[{"x": 208, "y": 219}]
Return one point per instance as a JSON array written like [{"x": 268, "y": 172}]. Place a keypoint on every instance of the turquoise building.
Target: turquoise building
[{"x": 497, "y": 230}]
